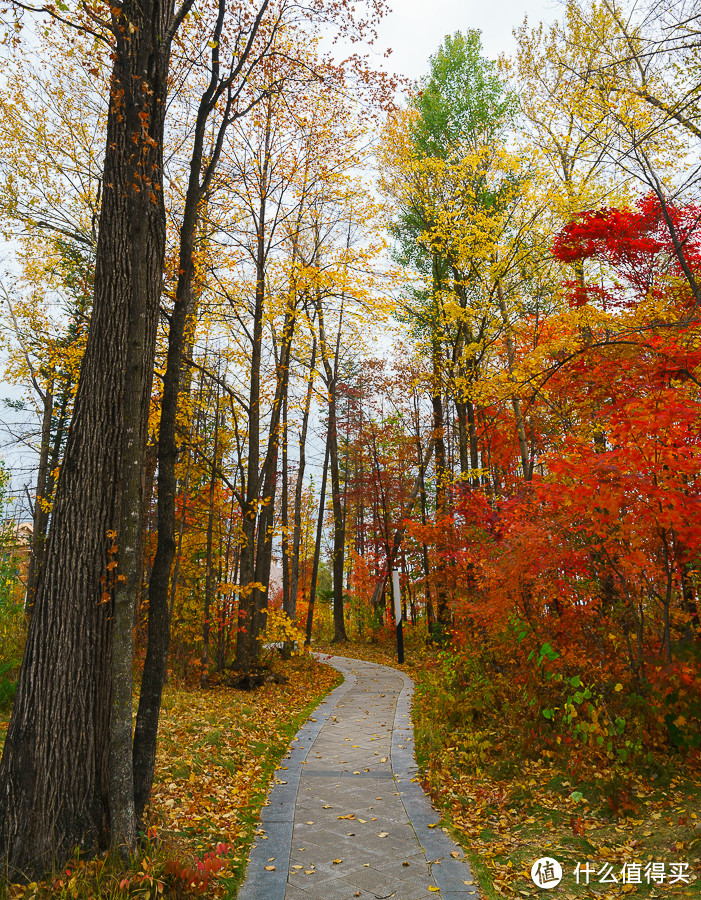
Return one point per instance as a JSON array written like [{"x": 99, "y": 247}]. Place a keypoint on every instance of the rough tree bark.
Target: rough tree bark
[{"x": 55, "y": 770}]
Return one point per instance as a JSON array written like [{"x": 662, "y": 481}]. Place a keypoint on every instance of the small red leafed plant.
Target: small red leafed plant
[{"x": 197, "y": 875}]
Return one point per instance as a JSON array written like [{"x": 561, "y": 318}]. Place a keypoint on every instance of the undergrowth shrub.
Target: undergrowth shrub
[
  {"x": 13, "y": 622},
  {"x": 161, "y": 868},
  {"x": 482, "y": 709}
]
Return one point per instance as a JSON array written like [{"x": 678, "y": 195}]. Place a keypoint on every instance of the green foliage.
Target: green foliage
[
  {"x": 12, "y": 618},
  {"x": 462, "y": 101},
  {"x": 462, "y": 105},
  {"x": 458, "y": 693}
]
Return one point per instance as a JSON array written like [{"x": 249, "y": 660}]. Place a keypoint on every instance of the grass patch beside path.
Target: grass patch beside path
[
  {"x": 217, "y": 752},
  {"x": 508, "y": 822},
  {"x": 509, "y": 808}
]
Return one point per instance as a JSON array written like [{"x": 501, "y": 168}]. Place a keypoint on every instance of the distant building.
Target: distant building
[{"x": 16, "y": 538}]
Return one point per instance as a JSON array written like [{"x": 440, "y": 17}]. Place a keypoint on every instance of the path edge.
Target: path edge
[
  {"x": 450, "y": 874},
  {"x": 278, "y": 811}
]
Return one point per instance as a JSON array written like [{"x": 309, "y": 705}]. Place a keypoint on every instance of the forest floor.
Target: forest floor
[
  {"x": 217, "y": 752},
  {"x": 219, "y": 748},
  {"x": 507, "y": 812}
]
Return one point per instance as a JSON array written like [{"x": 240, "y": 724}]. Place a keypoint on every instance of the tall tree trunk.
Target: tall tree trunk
[
  {"x": 474, "y": 447},
  {"x": 339, "y": 524},
  {"x": 266, "y": 519},
  {"x": 317, "y": 547},
  {"x": 441, "y": 487},
  {"x": 147, "y": 234},
  {"x": 184, "y": 487},
  {"x": 285, "y": 510},
  {"x": 199, "y": 181},
  {"x": 463, "y": 438},
  {"x": 526, "y": 462},
  {"x": 150, "y": 463},
  {"x": 430, "y": 615},
  {"x": 467, "y": 440},
  {"x": 209, "y": 575},
  {"x": 55, "y": 771},
  {"x": 226, "y": 601},
  {"x": 48, "y": 482},
  {"x": 41, "y": 514},
  {"x": 246, "y": 643},
  {"x": 299, "y": 488}
]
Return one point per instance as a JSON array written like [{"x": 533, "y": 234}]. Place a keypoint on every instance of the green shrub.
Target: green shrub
[
  {"x": 13, "y": 632},
  {"x": 13, "y": 625}
]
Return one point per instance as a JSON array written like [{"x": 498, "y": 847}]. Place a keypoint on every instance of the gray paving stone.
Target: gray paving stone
[{"x": 334, "y": 769}]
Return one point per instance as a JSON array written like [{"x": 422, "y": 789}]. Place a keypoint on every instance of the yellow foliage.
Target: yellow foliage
[{"x": 280, "y": 628}]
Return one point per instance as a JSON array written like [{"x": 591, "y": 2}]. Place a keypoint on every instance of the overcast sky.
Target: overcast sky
[{"x": 415, "y": 28}]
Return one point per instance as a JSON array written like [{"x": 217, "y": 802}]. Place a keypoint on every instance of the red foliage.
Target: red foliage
[
  {"x": 639, "y": 244},
  {"x": 591, "y": 556},
  {"x": 197, "y": 876}
]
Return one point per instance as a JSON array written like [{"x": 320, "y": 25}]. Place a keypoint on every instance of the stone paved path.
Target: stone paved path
[{"x": 346, "y": 817}]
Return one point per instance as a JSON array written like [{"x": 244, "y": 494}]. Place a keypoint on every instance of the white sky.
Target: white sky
[{"x": 415, "y": 28}]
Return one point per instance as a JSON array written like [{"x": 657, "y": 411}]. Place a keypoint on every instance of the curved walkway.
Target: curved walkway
[{"x": 346, "y": 817}]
